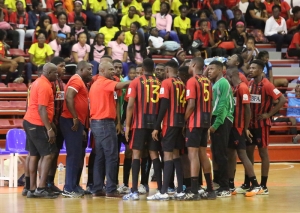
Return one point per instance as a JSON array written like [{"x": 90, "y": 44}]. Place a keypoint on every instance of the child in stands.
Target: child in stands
[
  {"x": 97, "y": 51},
  {"x": 239, "y": 37},
  {"x": 44, "y": 24},
  {"x": 250, "y": 51}
]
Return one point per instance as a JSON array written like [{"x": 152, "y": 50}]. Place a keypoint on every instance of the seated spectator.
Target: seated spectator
[
  {"x": 164, "y": 23},
  {"x": 45, "y": 25},
  {"x": 203, "y": 16},
  {"x": 179, "y": 57},
  {"x": 147, "y": 21},
  {"x": 56, "y": 44},
  {"x": 204, "y": 35},
  {"x": 139, "y": 7},
  {"x": 293, "y": 22},
  {"x": 50, "y": 5},
  {"x": 220, "y": 35},
  {"x": 19, "y": 22},
  {"x": 35, "y": 14},
  {"x": 285, "y": 8},
  {"x": 134, "y": 26},
  {"x": 81, "y": 50},
  {"x": 10, "y": 65},
  {"x": 109, "y": 30},
  {"x": 156, "y": 6},
  {"x": 196, "y": 8},
  {"x": 250, "y": 51},
  {"x": 76, "y": 13},
  {"x": 243, "y": 5},
  {"x": 61, "y": 25},
  {"x": 232, "y": 4},
  {"x": 256, "y": 15},
  {"x": 137, "y": 51},
  {"x": 69, "y": 6},
  {"x": 39, "y": 53},
  {"x": 125, "y": 6},
  {"x": 118, "y": 50},
  {"x": 175, "y": 11},
  {"x": 99, "y": 9},
  {"x": 294, "y": 48},
  {"x": 97, "y": 51},
  {"x": 58, "y": 8},
  {"x": 11, "y": 5},
  {"x": 293, "y": 111},
  {"x": 128, "y": 19},
  {"x": 78, "y": 28},
  {"x": 239, "y": 37},
  {"x": 182, "y": 25},
  {"x": 238, "y": 17},
  {"x": 276, "y": 30}
]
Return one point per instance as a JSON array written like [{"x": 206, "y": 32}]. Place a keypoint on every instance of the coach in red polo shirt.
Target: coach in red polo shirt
[
  {"x": 72, "y": 121},
  {"x": 103, "y": 113}
]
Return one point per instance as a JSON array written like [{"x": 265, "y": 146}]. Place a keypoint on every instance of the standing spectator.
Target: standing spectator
[
  {"x": 104, "y": 130},
  {"x": 35, "y": 14},
  {"x": 99, "y": 9},
  {"x": 256, "y": 15},
  {"x": 182, "y": 25},
  {"x": 293, "y": 22},
  {"x": 76, "y": 13},
  {"x": 19, "y": 21},
  {"x": 72, "y": 121},
  {"x": 97, "y": 51},
  {"x": 137, "y": 51},
  {"x": 129, "y": 18},
  {"x": 276, "y": 30},
  {"x": 164, "y": 23},
  {"x": 81, "y": 50},
  {"x": 109, "y": 30},
  {"x": 58, "y": 8},
  {"x": 38, "y": 125},
  {"x": 61, "y": 25}
]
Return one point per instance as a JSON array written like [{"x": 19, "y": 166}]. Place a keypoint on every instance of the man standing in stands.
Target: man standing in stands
[{"x": 40, "y": 131}]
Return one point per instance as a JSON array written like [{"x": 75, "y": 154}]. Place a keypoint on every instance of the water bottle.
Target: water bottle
[
  {"x": 60, "y": 169},
  {"x": 217, "y": 58}
]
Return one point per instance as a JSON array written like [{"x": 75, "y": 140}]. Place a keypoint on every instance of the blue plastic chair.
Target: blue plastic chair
[{"x": 89, "y": 148}]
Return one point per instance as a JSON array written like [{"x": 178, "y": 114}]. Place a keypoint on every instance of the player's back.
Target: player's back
[{"x": 241, "y": 96}]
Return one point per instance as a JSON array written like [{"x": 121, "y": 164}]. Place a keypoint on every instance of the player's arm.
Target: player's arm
[
  {"x": 119, "y": 125},
  {"x": 247, "y": 117},
  {"x": 129, "y": 112},
  {"x": 122, "y": 85},
  {"x": 164, "y": 105},
  {"x": 189, "y": 109},
  {"x": 71, "y": 93},
  {"x": 281, "y": 101},
  {"x": 123, "y": 118}
]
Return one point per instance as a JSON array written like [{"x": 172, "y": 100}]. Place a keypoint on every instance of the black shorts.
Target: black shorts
[
  {"x": 172, "y": 138},
  {"x": 260, "y": 137},
  {"x": 38, "y": 140},
  {"x": 142, "y": 138},
  {"x": 237, "y": 139},
  {"x": 59, "y": 138},
  {"x": 196, "y": 137}
]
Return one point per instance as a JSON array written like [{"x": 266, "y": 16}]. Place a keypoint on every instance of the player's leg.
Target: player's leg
[
  {"x": 186, "y": 169},
  {"x": 231, "y": 169},
  {"x": 145, "y": 170},
  {"x": 124, "y": 188}
]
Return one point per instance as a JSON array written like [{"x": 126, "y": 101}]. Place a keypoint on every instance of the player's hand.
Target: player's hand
[
  {"x": 119, "y": 128},
  {"x": 51, "y": 135},
  {"x": 84, "y": 136},
  {"x": 248, "y": 135},
  {"x": 212, "y": 130},
  {"x": 54, "y": 128},
  {"x": 127, "y": 129},
  {"x": 75, "y": 124},
  {"x": 263, "y": 116},
  {"x": 155, "y": 135}
]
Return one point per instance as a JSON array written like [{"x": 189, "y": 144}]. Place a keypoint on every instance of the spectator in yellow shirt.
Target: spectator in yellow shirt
[
  {"x": 175, "y": 6},
  {"x": 129, "y": 34},
  {"x": 147, "y": 22},
  {"x": 128, "y": 19},
  {"x": 109, "y": 30},
  {"x": 156, "y": 6},
  {"x": 182, "y": 25},
  {"x": 99, "y": 9},
  {"x": 11, "y": 5}
]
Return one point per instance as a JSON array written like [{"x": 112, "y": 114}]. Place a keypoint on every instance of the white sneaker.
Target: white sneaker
[
  {"x": 158, "y": 196},
  {"x": 123, "y": 189},
  {"x": 142, "y": 189},
  {"x": 201, "y": 191},
  {"x": 177, "y": 195}
]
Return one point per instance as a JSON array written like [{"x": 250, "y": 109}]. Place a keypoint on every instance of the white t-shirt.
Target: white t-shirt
[
  {"x": 156, "y": 41},
  {"x": 243, "y": 6}
]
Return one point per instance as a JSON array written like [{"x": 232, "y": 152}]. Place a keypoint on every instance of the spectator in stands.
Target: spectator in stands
[
  {"x": 294, "y": 48},
  {"x": 238, "y": 17},
  {"x": 99, "y": 9},
  {"x": 285, "y": 8},
  {"x": 50, "y": 5},
  {"x": 250, "y": 51},
  {"x": 204, "y": 35},
  {"x": 109, "y": 30},
  {"x": 61, "y": 25},
  {"x": 56, "y": 43},
  {"x": 97, "y": 51},
  {"x": 293, "y": 22},
  {"x": 276, "y": 30},
  {"x": 137, "y": 51},
  {"x": 179, "y": 57},
  {"x": 256, "y": 15},
  {"x": 76, "y": 13},
  {"x": 11, "y": 5},
  {"x": 78, "y": 28},
  {"x": 10, "y": 65},
  {"x": 182, "y": 25},
  {"x": 81, "y": 50},
  {"x": 19, "y": 22},
  {"x": 243, "y": 5},
  {"x": 220, "y": 35},
  {"x": 118, "y": 50},
  {"x": 164, "y": 23},
  {"x": 232, "y": 4},
  {"x": 293, "y": 111},
  {"x": 156, "y": 6},
  {"x": 39, "y": 53},
  {"x": 239, "y": 37},
  {"x": 44, "y": 24},
  {"x": 58, "y": 8},
  {"x": 134, "y": 26},
  {"x": 35, "y": 14},
  {"x": 128, "y": 19},
  {"x": 175, "y": 11},
  {"x": 147, "y": 22},
  {"x": 203, "y": 16}
]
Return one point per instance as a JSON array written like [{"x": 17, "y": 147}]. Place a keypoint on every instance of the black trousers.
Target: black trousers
[
  {"x": 186, "y": 42},
  {"x": 14, "y": 36}
]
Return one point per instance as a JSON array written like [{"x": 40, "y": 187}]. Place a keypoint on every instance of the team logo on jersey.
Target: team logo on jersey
[
  {"x": 234, "y": 101},
  {"x": 245, "y": 97},
  {"x": 188, "y": 92},
  {"x": 60, "y": 96},
  {"x": 129, "y": 91},
  {"x": 236, "y": 142},
  {"x": 255, "y": 99},
  {"x": 115, "y": 95},
  {"x": 162, "y": 91},
  {"x": 276, "y": 91}
]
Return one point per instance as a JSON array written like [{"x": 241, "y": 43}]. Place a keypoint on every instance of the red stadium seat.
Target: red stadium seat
[
  {"x": 4, "y": 123},
  {"x": 18, "y": 123},
  {"x": 4, "y": 105},
  {"x": 18, "y": 87},
  {"x": 4, "y": 88},
  {"x": 17, "y": 52}
]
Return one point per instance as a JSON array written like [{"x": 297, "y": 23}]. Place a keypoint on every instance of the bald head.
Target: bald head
[
  {"x": 107, "y": 70},
  {"x": 84, "y": 70},
  {"x": 50, "y": 71}
]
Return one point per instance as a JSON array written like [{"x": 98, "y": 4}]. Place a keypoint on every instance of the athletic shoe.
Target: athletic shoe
[
  {"x": 180, "y": 194},
  {"x": 253, "y": 191},
  {"x": 24, "y": 192},
  {"x": 82, "y": 191},
  {"x": 233, "y": 191},
  {"x": 123, "y": 189},
  {"x": 142, "y": 189},
  {"x": 158, "y": 196},
  {"x": 189, "y": 196},
  {"x": 44, "y": 193},
  {"x": 223, "y": 193},
  {"x": 100, "y": 193},
  {"x": 114, "y": 194},
  {"x": 201, "y": 191},
  {"x": 264, "y": 191},
  {"x": 242, "y": 189},
  {"x": 54, "y": 189},
  {"x": 72, "y": 194},
  {"x": 171, "y": 190},
  {"x": 215, "y": 186},
  {"x": 30, "y": 194},
  {"x": 131, "y": 196},
  {"x": 208, "y": 195},
  {"x": 89, "y": 188}
]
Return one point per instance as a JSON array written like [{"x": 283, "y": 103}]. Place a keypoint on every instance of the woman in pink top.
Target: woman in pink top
[
  {"x": 81, "y": 50},
  {"x": 137, "y": 51},
  {"x": 164, "y": 23},
  {"x": 61, "y": 25},
  {"x": 97, "y": 51}
]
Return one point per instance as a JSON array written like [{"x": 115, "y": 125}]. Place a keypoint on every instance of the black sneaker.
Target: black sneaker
[
  {"x": 223, "y": 193},
  {"x": 72, "y": 194},
  {"x": 30, "y": 194},
  {"x": 24, "y": 192},
  {"x": 188, "y": 196},
  {"x": 82, "y": 191},
  {"x": 44, "y": 193},
  {"x": 208, "y": 195},
  {"x": 89, "y": 188},
  {"x": 54, "y": 189}
]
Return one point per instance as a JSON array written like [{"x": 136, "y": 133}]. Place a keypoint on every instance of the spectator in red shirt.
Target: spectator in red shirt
[
  {"x": 294, "y": 48},
  {"x": 285, "y": 7},
  {"x": 58, "y": 8},
  {"x": 50, "y": 5},
  {"x": 204, "y": 35},
  {"x": 76, "y": 13},
  {"x": 293, "y": 22},
  {"x": 203, "y": 16}
]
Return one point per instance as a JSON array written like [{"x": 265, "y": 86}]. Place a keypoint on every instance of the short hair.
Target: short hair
[
  {"x": 131, "y": 7},
  {"x": 62, "y": 13},
  {"x": 139, "y": 66},
  {"x": 240, "y": 60},
  {"x": 295, "y": 9},
  {"x": 262, "y": 54},
  {"x": 132, "y": 66},
  {"x": 221, "y": 22},
  {"x": 276, "y": 7},
  {"x": 173, "y": 64},
  {"x": 160, "y": 64},
  {"x": 110, "y": 16},
  {"x": 117, "y": 61},
  {"x": 57, "y": 60},
  {"x": 106, "y": 56},
  {"x": 148, "y": 65},
  {"x": 199, "y": 61},
  {"x": 136, "y": 24},
  {"x": 184, "y": 70},
  {"x": 19, "y": 1},
  {"x": 251, "y": 38},
  {"x": 202, "y": 21},
  {"x": 79, "y": 18},
  {"x": 217, "y": 63},
  {"x": 258, "y": 62},
  {"x": 81, "y": 65},
  {"x": 167, "y": 5},
  {"x": 35, "y": 3},
  {"x": 182, "y": 7},
  {"x": 2, "y": 34}
]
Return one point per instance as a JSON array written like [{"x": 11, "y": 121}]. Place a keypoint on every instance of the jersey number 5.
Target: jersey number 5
[
  {"x": 206, "y": 92},
  {"x": 155, "y": 96}
]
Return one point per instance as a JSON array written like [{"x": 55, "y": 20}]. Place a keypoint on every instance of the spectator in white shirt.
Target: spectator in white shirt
[{"x": 276, "y": 30}]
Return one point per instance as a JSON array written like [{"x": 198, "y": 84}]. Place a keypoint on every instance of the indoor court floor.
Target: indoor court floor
[{"x": 283, "y": 184}]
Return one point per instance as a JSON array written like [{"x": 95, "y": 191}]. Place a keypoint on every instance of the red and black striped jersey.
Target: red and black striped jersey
[
  {"x": 241, "y": 97},
  {"x": 145, "y": 90},
  {"x": 262, "y": 96},
  {"x": 174, "y": 90},
  {"x": 199, "y": 88}
]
